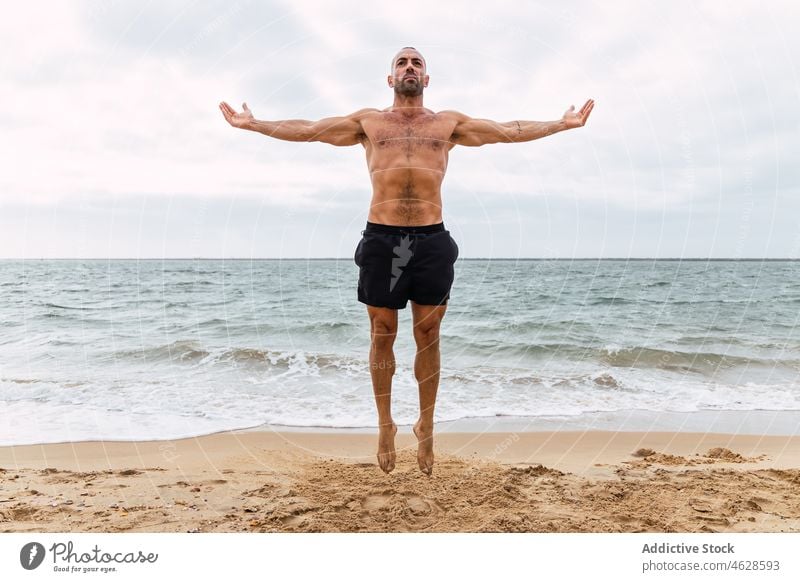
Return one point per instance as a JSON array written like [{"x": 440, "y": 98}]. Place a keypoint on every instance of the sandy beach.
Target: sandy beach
[{"x": 290, "y": 481}]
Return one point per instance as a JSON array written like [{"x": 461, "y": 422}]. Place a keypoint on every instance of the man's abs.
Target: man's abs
[
  {"x": 404, "y": 212},
  {"x": 406, "y": 197}
]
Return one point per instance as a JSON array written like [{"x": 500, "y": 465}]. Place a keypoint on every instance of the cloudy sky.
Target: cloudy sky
[{"x": 112, "y": 144}]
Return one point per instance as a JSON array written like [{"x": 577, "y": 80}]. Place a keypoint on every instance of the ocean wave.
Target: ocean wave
[
  {"x": 22, "y": 380},
  {"x": 614, "y": 300},
  {"x": 516, "y": 378},
  {"x": 623, "y": 356},
  {"x": 298, "y": 361},
  {"x": 193, "y": 283},
  {"x": 702, "y": 362},
  {"x": 748, "y": 301},
  {"x": 71, "y": 307},
  {"x": 189, "y": 351},
  {"x": 179, "y": 350}
]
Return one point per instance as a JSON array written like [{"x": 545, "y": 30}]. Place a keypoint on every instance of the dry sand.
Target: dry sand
[{"x": 265, "y": 481}]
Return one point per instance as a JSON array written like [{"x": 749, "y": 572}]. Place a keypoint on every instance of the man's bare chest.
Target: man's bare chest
[{"x": 428, "y": 133}]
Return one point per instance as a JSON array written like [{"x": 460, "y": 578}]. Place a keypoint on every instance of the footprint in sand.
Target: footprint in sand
[
  {"x": 268, "y": 491},
  {"x": 418, "y": 506},
  {"x": 374, "y": 502},
  {"x": 295, "y": 514}
]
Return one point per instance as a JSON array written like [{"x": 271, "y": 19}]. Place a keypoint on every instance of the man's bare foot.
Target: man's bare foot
[
  {"x": 424, "y": 435},
  {"x": 386, "y": 452}
]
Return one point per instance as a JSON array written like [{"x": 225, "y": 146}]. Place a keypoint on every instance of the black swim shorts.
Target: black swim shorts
[{"x": 398, "y": 263}]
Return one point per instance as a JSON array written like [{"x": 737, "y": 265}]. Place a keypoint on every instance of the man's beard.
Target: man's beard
[{"x": 410, "y": 90}]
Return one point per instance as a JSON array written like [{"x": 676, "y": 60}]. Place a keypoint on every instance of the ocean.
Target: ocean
[{"x": 152, "y": 349}]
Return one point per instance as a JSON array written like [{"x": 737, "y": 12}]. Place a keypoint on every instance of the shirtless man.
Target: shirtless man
[{"x": 405, "y": 252}]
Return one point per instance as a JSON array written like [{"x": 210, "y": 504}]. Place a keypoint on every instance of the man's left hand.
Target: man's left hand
[{"x": 578, "y": 119}]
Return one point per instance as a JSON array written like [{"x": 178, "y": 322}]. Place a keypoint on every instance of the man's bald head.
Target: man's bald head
[{"x": 406, "y": 49}]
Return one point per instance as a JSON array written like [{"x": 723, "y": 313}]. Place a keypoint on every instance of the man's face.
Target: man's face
[{"x": 408, "y": 77}]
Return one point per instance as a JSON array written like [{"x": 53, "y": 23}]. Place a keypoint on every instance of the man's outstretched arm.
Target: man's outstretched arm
[
  {"x": 478, "y": 132},
  {"x": 339, "y": 131}
]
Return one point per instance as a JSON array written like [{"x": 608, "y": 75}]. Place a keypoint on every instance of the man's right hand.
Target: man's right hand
[{"x": 240, "y": 120}]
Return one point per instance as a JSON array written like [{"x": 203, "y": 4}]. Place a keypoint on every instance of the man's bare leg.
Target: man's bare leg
[
  {"x": 427, "y": 320},
  {"x": 383, "y": 330}
]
